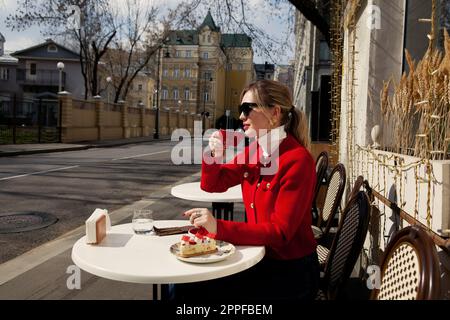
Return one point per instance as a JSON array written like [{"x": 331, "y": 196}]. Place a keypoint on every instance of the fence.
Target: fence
[
  {"x": 97, "y": 120},
  {"x": 29, "y": 120}
]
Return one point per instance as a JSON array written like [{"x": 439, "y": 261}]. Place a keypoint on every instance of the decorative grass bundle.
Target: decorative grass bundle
[{"x": 418, "y": 112}]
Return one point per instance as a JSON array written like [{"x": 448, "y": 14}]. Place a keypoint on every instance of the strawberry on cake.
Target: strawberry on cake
[{"x": 196, "y": 243}]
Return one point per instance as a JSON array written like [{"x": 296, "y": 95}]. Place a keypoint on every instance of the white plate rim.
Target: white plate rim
[{"x": 209, "y": 258}]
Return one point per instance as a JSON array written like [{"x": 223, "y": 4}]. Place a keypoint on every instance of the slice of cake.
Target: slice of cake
[{"x": 198, "y": 243}]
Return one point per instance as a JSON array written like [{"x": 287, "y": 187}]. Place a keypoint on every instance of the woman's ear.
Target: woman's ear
[{"x": 276, "y": 113}]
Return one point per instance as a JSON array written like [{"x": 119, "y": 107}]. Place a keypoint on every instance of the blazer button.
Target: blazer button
[
  {"x": 268, "y": 185},
  {"x": 246, "y": 175},
  {"x": 252, "y": 205},
  {"x": 258, "y": 184}
]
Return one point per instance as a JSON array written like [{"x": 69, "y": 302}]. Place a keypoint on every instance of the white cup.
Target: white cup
[{"x": 142, "y": 222}]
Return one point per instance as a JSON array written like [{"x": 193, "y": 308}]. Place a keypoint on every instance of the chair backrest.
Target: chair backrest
[
  {"x": 410, "y": 267},
  {"x": 356, "y": 187},
  {"x": 321, "y": 172},
  {"x": 347, "y": 243},
  {"x": 335, "y": 189}
]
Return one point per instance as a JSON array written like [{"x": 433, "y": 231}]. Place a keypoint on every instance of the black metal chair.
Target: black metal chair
[
  {"x": 335, "y": 189},
  {"x": 410, "y": 268},
  {"x": 321, "y": 178},
  {"x": 347, "y": 245}
]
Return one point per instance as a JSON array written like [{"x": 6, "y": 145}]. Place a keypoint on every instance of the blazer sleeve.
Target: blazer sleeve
[
  {"x": 219, "y": 177},
  {"x": 292, "y": 204}
]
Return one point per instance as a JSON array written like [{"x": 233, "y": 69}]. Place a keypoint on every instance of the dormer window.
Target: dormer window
[{"x": 52, "y": 48}]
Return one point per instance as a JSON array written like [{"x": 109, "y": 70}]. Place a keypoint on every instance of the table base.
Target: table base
[{"x": 223, "y": 210}]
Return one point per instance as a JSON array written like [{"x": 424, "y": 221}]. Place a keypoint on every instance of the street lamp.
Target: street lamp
[
  {"x": 108, "y": 80},
  {"x": 60, "y": 66},
  {"x": 158, "y": 89},
  {"x": 205, "y": 113}
]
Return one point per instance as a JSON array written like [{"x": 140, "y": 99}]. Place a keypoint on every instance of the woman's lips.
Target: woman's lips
[{"x": 246, "y": 126}]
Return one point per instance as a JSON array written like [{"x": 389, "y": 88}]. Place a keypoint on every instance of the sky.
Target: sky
[{"x": 24, "y": 39}]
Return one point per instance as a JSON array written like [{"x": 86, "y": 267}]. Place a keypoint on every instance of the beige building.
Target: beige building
[
  {"x": 142, "y": 90},
  {"x": 204, "y": 71}
]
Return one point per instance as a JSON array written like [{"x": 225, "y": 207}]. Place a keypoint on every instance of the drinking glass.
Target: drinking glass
[{"x": 142, "y": 221}]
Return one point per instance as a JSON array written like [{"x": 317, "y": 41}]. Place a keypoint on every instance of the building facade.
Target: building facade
[
  {"x": 311, "y": 84},
  {"x": 203, "y": 71},
  {"x": 37, "y": 70},
  {"x": 285, "y": 75}
]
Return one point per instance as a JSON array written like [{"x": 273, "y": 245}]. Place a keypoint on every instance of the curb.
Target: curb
[{"x": 85, "y": 147}]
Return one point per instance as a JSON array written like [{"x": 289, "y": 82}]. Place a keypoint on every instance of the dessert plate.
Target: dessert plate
[{"x": 224, "y": 250}]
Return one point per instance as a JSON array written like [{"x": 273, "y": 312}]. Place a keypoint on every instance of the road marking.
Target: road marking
[
  {"x": 39, "y": 172},
  {"x": 141, "y": 155}
]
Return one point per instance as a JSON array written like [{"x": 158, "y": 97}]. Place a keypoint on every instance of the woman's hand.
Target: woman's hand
[
  {"x": 202, "y": 217},
  {"x": 216, "y": 144}
]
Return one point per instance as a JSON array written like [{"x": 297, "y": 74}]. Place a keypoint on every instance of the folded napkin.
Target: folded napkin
[{"x": 171, "y": 230}]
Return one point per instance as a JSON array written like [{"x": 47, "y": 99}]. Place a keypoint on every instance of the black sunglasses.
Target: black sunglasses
[{"x": 247, "y": 107}]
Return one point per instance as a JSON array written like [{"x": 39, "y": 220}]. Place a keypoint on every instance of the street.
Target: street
[{"x": 70, "y": 185}]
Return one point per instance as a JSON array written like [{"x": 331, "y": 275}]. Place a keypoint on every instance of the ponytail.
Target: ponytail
[{"x": 295, "y": 124}]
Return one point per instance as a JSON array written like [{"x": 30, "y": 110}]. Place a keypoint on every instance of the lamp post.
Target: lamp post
[
  {"x": 156, "y": 134},
  {"x": 205, "y": 113},
  {"x": 108, "y": 80},
  {"x": 60, "y": 66},
  {"x": 227, "y": 114}
]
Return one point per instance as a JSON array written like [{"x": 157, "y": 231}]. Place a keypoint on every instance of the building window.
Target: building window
[
  {"x": 175, "y": 93},
  {"x": 52, "y": 48},
  {"x": 324, "y": 51},
  {"x": 187, "y": 73},
  {"x": 205, "y": 55},
  {"x": 188, "y": 54},
  {"x": 207, "y": 75},
  {"x": 139, "y": 87},
  {"x": 33, "y": 69},
  {"x": 209, "y": 38},
  {"x": 165, "y": 73},
  {"x": 240, "y": 67},
  {"x": 187, "y": 93},
  {"x": 4, "y": 74},
  {"x": 176, "y": 73},
  {"x": 229, "y": 66},
  {"x": 165, "y": 93},
  {"x": 178, "y": 53},
  {"x": 206, "y": 96}
]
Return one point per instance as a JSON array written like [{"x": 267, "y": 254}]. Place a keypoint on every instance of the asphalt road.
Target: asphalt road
[{"x": 70, "y": 185}]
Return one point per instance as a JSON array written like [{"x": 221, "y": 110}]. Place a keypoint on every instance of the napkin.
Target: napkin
[
  {"x": 171, "y": 230},
  {"x": 97, "y": 226}
]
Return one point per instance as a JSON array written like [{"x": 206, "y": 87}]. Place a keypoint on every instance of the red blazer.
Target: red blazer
[{"x": 278, "y": 206}]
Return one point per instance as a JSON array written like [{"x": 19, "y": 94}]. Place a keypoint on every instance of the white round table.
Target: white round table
[
  {"x": 124, "y": 256},
  {"x": 222, "y": 202},
  {"x": 192, "y": 191}
]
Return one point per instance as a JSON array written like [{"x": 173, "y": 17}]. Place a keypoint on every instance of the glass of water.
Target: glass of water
[{"x": 142, "y": 222}]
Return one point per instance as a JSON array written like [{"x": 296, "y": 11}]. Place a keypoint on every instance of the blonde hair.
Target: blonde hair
[{"x": 269, "y": 93}]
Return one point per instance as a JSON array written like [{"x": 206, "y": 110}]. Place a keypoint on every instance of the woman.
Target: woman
[{"x": 277, "y": 203}]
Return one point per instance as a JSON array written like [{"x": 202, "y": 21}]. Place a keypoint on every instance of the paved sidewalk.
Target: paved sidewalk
[{"x": 9, "y": 150}]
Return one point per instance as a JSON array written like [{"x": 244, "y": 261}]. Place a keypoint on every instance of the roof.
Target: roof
[
  {"x": 40, "y": 51},
  {"x": 236, "y": 40},
  {"x": 190, "y": 37},
  {"x": 7, "y": 59},
  {"x": 2, "y": 38},
  {"x": 264, "y": 67},
  {"x": 209, "y": 22},
  {"x": 183, "y": 37}
]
